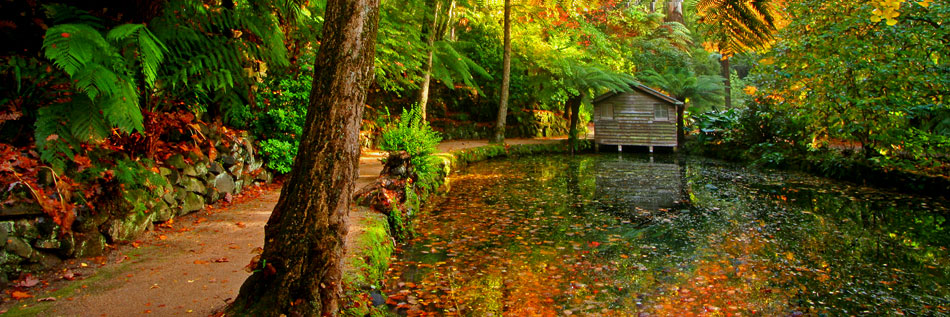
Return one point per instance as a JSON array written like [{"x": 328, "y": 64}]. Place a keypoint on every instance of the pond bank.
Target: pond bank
[
  {"x": 370, "y": 243},
  {"x": 833, "y": 165}
]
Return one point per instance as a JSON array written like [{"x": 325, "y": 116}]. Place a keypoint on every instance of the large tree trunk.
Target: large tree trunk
[
  {"x": 427, "y": 77},
  {"x": 299, "y": 271},
  {"x": 505, "y": 79},
  {"x": 726, "y": 72},
  {"x": 574, "y": 103}
]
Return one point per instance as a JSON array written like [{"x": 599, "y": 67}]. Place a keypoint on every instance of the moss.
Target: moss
[{"x": 368, "y": 264}]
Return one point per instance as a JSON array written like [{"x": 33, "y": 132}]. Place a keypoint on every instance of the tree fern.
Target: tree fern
[{"x": 104, "y": 70}]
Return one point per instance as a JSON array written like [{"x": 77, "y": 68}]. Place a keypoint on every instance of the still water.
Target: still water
[{"x": 630, "y": 235}]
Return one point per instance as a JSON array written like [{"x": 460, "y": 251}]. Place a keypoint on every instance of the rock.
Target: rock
[
  {"x": 264, "y": 176},
  {"x": 173, "y": 177},
  {"x": 46, "y": 226},
  {"x": 124, "y": 230},
  {"x": 19, "y": 247},
  {"x": 177, "y": 162},
  {"x": 201, "y": 168},
  {"x": 212, "y": 195},
  {"x": 88, "y": 220},
  {"x": 169, "y": 198},
  {"x": 228, "y": 161},
  {"x": 216, "y": 168},
  {"x": 193, "y": 202},
  {"x": 162, "y": 212},
  {"x": 8, "y": 258},
  {"x": 45, "y": 260},
  {"x": 26, "y": 228},
  {"x": 6, "y": 229},
  {"x": 254, "y": 165},
  {"x": 238, "y": 187},
  {"x": 180, "y": 194},
  {"x": 193, "y": 185},
  {"x": 237, "y": 169},
  {"x": 21, "y": 208},
  {"x": 189, "y": 171},
  {"x": 224, "y": 183},
  {"x": 88, "y": 244},
  {"x": 47, "y": 244}
]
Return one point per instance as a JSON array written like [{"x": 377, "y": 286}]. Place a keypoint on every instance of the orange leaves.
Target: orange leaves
[{"x": 18, "y": 295}]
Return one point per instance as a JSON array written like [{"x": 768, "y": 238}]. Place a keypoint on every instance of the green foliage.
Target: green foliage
[
  {"x": 278, "y": 118},
  {"x": 105, "y": 69},
  {"x": 411, "y": 134},
  {"x": 280, "y": 154},
  {"x": 414, "y": 135},
  {"x": 216, "y": 55},
  {"x": 702, "y": 92},
  {"x": 878, "y": 86}
]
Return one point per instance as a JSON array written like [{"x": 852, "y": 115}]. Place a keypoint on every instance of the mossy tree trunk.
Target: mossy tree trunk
[
  {"x": 499, "y": 135},
  {"x": 574, "y": 103},
  {"x": 727, "y": 84},
  {"x": 299, "y": 272}
]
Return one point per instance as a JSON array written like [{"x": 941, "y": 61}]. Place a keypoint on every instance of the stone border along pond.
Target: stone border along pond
[
  {"x": 31, "y": 242},
  {"x": 374, "y": 245}
]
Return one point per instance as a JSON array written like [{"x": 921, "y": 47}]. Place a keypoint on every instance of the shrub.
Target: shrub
[{"x": 414, "y": 135}]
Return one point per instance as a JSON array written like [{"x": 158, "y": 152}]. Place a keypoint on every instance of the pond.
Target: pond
[{"x": 621, "y": 234}]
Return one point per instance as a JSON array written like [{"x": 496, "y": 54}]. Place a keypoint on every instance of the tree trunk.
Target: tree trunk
[
  {"x": 680, "y": 125},
  {"x": 726, "y": 72},
  {"x": 299, "y": 272},
  {"x": 674, "y": 11},
  {"x": 427, "y": 77},
  {"x": 574, "y": 103},
  {"x": 499, "y": 136}
]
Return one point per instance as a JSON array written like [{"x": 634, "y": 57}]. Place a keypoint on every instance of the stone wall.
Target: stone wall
[{"x": 30, "y": 240}]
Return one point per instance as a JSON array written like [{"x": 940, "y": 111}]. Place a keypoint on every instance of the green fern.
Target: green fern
[{"x": 103, "y": 69}]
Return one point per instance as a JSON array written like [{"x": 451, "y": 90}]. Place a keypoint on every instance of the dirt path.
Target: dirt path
[{"x": 191, "y": 267}]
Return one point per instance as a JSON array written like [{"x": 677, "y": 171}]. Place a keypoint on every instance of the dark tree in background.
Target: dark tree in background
[{"x": 299, "y": 272}]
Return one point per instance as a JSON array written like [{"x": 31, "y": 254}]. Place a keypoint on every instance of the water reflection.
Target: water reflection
[{"x": 624, "y": 235}]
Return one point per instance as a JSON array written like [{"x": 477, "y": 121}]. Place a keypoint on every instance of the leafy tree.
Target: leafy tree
[
  {"x": 849, "y": 76},
  {"x": 299, "y": 271}
]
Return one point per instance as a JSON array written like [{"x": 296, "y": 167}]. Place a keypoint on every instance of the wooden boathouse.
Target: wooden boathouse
[{"x": 640, "y": 117}]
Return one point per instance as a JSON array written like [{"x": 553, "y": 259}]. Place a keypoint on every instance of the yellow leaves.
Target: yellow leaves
[
  {"x": 925, "y": 3},
  {"x": 767, "y": 61},
  {"x": 750, "y": 90},
  {"x": 887, "y": 10}
]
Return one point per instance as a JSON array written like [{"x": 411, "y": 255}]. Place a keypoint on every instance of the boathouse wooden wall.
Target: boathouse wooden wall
[{"x": 635, "y": 118}]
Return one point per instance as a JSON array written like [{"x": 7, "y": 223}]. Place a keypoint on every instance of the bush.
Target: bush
[
  {"x": 278, "y": 119},
  {"x": 414, "y": 135}
]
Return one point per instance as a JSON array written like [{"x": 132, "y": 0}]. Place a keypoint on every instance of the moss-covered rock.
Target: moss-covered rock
[
  {"x": 193, "y": 202},
  {"x": 125, "y": 229}
]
